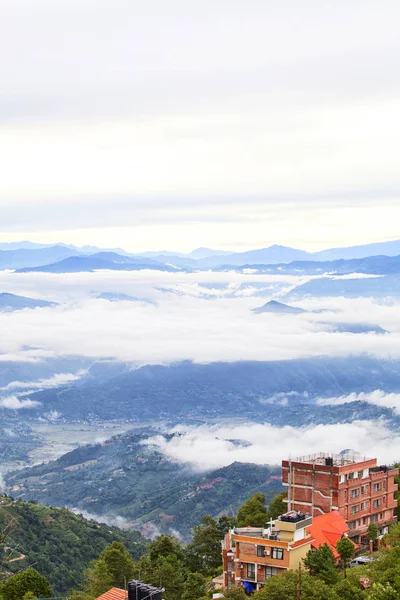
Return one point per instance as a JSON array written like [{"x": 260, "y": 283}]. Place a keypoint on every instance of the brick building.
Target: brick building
[
  {"x": 361, "y": 490},
  {"x": 253, "y": 554}
]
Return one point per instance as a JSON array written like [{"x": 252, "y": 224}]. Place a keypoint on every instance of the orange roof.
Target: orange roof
[
  {"x": 114, "y": 594},
  {"x": 328, "y": 529}
]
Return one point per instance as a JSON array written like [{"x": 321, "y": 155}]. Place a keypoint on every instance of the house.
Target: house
[
  {"x": 253, "y": 554},
  {"x": 361, "y": 490},
  {"x": 328, "y": 529}
]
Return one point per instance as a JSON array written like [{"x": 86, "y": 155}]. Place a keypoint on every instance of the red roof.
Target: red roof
[
  {"x": 328, "y": 529},
  {"x": 114, "y": 594}
]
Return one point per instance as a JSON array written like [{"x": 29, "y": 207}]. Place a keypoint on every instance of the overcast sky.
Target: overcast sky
[{"x": 179, "y": 123}]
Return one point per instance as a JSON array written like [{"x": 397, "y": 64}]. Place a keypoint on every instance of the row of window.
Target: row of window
[
  {"x": 355, "y": 475},
  {"x": 276, "y": 553},
  {"x": 268, "y": 571},
  {"x": 377, "y": 487},
  {"x": 365, "y": 505},
  {"x": 364, "y": 521}
]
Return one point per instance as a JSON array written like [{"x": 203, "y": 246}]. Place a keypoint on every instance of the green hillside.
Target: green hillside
[
  {"x": 130, "y": 478},
  {"x": 56, "y": 542}
]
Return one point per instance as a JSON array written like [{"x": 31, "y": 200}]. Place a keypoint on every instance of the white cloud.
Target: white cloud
[
  {"x": 208, "y": 447},
  {"x": 184, "y": 325},
  {"x": 378, "y": 398},
  {"x": 55, "y": 381},
  {"x": 14, "y": 403}
]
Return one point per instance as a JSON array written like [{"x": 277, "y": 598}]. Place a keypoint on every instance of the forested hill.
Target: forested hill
[
  {"x": 140, "y": 484},
  {"x": 56, "y": 542}
]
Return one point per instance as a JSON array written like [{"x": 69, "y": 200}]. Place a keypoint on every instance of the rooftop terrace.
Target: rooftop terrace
[{"x": 333, "y": 460}]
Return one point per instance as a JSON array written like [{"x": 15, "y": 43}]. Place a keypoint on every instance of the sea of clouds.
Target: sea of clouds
[{"x": 203, "y": 317}]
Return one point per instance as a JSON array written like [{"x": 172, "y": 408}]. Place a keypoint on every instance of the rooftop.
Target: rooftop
[
  {"x": 114, "y": 594},
  {"x": 333, "y": 460}
]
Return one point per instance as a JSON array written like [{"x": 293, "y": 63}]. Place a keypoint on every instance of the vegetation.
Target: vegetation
[
  {"x": 138, "y": 483},
  {"x": 346, "y": 551},
  {"x": 28, "y": 584},
  {"x": 59, "y": 544}
]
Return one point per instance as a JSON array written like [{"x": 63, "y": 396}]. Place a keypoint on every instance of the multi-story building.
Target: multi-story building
[
  {"x": 362, "y": 491},
  {"x": 253, "y": 554}
]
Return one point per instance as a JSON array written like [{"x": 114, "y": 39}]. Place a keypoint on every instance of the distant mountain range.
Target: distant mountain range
[
  {"x": 190, "y": 392},
  {"x": 100, "y": 260},
  {"x": 11, "y": 302},
  {"x": 21, "y": 255}
]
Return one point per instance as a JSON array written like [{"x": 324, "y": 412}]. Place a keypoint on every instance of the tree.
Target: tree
[
  {"x": 168, "y": 573},
  {"x": 98, "y": 579},
  {"x": 322, "y": 563},
  {"x": 225, "y": 524},
  {"x": 165, "y": 545},
  {"x": 203, "y": 554},
  {"x": 277, "y": 506},
  {"x": 346, "y": 551},
  {"x": 119, "y": 564},
  {"x": 194, "y": 587},
  {"x": 253, "y": 512},
  {"x": 294, "y": 584},
  {"x": 372, "y": 532},
  {"x": 30, "y": 580},
  {"x": 235, "y": 593}
]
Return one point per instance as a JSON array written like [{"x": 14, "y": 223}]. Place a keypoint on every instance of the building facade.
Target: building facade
[
  {"x": 362, "y": 491},
  {"x": 253, "y": 554}
]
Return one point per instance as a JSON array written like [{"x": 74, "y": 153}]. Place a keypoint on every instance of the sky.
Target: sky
[{"x": 172, "y": 125}]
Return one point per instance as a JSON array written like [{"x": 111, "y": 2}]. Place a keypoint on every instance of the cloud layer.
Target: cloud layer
[
  {"x": 208, "y": 447},
  {"x": 195, "y": 319}
]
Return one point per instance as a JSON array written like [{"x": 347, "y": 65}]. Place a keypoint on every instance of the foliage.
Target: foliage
[
  {"x": 322, "y": 563},
  {"x": 30, "y": 581},
  {"x": 346, "y": 551},
  {"x": 253, "y": 512},
  {"x": 60, "y": 544},
  {"x": 119, "y": 564},
  {"x": 194, "y": 587},
  {"x": 372, "y": 532},
  {"x": 277, "y": 506},
  {"x": 203, "y": 554},
  {"x": 98, "y": 579},
  {"x": 235, "y": 593},
  {"x": 383, "y": 592},
  {"x": 290, "y": 584},
  {"x": 164, "y": 546}
]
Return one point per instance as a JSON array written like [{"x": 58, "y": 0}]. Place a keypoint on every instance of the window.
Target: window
[
  {"x": 384, "y": 484},
  {"x": 277, "y": 553},
  {"x": 363, "y": 489},
  {"x": 362, "y": 505},
  {"x": 352, "y": 524},
  {"x": 250, "y": 571},
  {"x": 260, "y": 550},
  {"x": 360, "y": 474},
  {"x": 342, "y": 479},
  {"x": 376, "y": 503},
  {"x": 377, "y": 487},
  {"x": 355, "y": 509},
  {"x": 374, "y": 518},
  {"x": 359, "y": 522},
  {"x": 364, "y": 521},
  {"x": 270, "y": 571},
  {"x": 345, "y": 494},
  {"x": 355, "y": 493}
]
